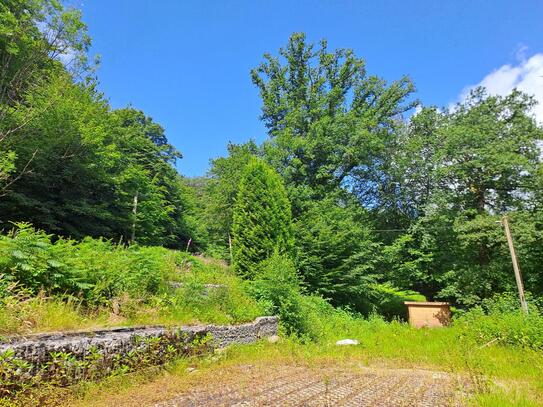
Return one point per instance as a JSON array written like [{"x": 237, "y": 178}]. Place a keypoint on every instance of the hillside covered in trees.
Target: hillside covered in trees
[
  {"x": 359, "y": 197},
  {"x": 368, "y": 197}
]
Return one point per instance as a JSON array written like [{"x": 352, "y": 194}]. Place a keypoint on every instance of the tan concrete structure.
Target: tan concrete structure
[{"x": 428, "y": 314}]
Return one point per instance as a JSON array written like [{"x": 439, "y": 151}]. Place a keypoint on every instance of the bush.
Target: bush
[
  {"x": 113, "y": 270},
  {"x": 94, "y": 269},
  {"x": 500, "y": 320},
  {"x": 388, "y": 301},
  {"x": 277, "y": 287},
  {"x": 29, "y": 258}
]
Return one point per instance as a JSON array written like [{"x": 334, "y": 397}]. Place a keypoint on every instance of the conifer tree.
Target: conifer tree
[{"x": 262, "y": 221}]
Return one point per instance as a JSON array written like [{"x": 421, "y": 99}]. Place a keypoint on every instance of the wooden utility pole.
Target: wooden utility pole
[
  {"x": 518, "y": 276},
  {"x": 135, "y": 216}
]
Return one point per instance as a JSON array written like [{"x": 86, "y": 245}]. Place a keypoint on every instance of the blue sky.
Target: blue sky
[{"x": 187, "y": 63}]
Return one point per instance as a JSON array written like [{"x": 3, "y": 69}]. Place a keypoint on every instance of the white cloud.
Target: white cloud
[
  {"x": 417, "y": 110},
  {"x": 526, "y": 76},
  {"x": 67, "y": 57}
]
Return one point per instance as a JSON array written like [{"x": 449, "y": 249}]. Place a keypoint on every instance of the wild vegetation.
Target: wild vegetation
[
  {"x": 48, "y": 286},
  {"x": 353, "y": 204},
  {"x": 503, "y": 371}
]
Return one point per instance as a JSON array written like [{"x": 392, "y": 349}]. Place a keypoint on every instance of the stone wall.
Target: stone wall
[
  {"x": 103, "y": 351},
  {"x": 35, "y": 348}
]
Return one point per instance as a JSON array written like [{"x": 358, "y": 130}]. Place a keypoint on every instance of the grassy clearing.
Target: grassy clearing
[{"x": 500, "y": 375}]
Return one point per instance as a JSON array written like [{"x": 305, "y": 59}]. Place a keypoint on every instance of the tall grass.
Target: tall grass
[{"x": 48, "y": 284}]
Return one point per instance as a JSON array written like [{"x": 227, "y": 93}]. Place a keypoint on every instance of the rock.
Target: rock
[
  {"x": 190, "y": 369},
  {"x": 273, "y": 339},
  {"x": 345, "y": 342}
]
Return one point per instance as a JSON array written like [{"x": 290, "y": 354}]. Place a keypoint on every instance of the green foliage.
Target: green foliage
[
  {"x": 371, "y": 209},
  {"x": 34, "y": 36},
  {"x": 412, "y": 261},
  {"x": 7, "y": 165},
  {"x": 325, "y": 116},
  {"x": 151, "y": 177},
  {"x": 14, "y": 374},
  {"x": 335, "y": 251},
  {"x": 220, "y": 192},
  {"x": 82, "y": 168},
  {"x": 68, "y": 285},
  {"x": 501, "y": 320},
  {"x": 500, "y": 137},
  {"x": 448, "y": 179},
  {"x": 261, "y": 218},
  {"x": 385, "y": 300},
  {"x": 225, "y": 301},
  {"x": 277, "y": 286},
  {"x": 22, "y": 312},
  {"x": 68, "y": 164},
  {"x": 95, "y": 270}
]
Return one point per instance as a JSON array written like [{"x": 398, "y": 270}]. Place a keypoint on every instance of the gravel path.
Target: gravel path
[{"x": 302, "y": 386}]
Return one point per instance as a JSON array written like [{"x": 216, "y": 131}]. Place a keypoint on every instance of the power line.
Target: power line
[{"x": 407, "y": 230}]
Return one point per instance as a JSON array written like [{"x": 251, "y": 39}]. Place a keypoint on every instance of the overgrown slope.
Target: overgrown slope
[{"x": 63, "y": 284}]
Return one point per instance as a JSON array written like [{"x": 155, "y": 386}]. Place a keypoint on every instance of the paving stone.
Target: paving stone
[{"x": 301, "y": 386}]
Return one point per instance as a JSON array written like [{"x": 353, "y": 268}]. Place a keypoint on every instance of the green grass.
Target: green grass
[
  {"x": 502, "y": 375},
  {"x": 23, "y": 311},
  {"x": 20, "y": 315}
]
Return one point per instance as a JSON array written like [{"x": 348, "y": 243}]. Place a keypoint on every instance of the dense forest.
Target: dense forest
[{"x": 363, "y": 189}]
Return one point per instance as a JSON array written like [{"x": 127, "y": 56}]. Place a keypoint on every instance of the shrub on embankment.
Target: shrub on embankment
[
  {"x": 49, "y": 283},
  {"x": 93, "y": 269},
  {"x": 500, "y": 320}
]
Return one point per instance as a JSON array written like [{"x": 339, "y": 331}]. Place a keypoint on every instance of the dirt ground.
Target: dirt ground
[{"x": 250, "y": 385}]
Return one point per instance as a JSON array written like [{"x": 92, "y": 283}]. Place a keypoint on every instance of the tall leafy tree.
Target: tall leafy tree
[
  {"x": 399, "y": 186},
  {"x": 68, "y": 164},
  {"x": 261, "y": 218},
  {"x": 457, "y": 172},
  {"x": 329, "y": 123},
  {"x": 36, "y": 36},
  {"x": 491, "y": 155},
  {"x": 95, "y": 172},
  {"x": 152, "y": 189},
  {"x": 326, "y": 117},
  {"x": 68, "y": 188}
]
